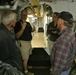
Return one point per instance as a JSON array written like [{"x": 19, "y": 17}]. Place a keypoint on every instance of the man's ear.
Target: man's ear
[{"x": 61, "y": 21}]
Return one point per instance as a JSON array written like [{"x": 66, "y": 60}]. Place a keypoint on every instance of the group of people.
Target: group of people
[
  {"x": 62, "y": 52},
  {"x": 12, "y": 31},
  {"x": 62, "y": 43}
]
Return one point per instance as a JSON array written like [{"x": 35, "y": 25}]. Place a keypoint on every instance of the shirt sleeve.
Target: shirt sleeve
[{"x": 30, "y": 27}]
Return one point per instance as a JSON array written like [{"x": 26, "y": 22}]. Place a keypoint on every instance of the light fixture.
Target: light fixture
[{"x": 30, "y": 16}]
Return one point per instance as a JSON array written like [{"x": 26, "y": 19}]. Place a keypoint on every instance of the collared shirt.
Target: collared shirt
[{"x": 63, "y": 51}]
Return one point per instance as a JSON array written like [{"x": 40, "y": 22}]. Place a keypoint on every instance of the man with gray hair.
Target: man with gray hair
[
  {"x": 64, "y": 49},
  {"x": 9, "y": 52}
]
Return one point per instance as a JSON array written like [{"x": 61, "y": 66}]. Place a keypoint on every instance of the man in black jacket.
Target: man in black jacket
[
  {"x": 52, "y": 30},
  {"x": 9, "y": 52}
]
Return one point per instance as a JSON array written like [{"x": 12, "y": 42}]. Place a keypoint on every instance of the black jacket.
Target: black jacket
[
  {"x": 9, "y": 52},
  {"x": 50, "y": 28}
]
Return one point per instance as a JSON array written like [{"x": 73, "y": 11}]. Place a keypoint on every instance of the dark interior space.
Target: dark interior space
[{"x": 39, "y": 62}]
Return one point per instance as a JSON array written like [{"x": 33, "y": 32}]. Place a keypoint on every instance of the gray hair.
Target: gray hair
[
  {"x": 68, "y": 24},
  {"x": 7, "y": 16}
]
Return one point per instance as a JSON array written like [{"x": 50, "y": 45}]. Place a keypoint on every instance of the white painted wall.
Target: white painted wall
[
  {"x": 64, "y": 6},
  {"x": 58, "y": 7}
]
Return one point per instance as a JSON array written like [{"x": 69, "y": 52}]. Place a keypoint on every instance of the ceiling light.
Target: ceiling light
[{"x": 30, "y": 16}]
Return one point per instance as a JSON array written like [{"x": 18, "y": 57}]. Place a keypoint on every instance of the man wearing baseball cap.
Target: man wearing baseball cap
[{"x": 64, "y": 49}]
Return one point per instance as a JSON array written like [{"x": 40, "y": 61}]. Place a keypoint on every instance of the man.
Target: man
[
  {"x": 23, "y": 31},
  {"x": 9, "y": 52},
  {"x": 52, "y": 30},
  {"x": 64, "y": 49}
]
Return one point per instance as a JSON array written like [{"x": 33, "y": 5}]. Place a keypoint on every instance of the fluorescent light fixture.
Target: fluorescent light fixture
[
  {"x": 4, "y": 7},
  {"x": 7, "y": 6},
  {"x": 31, "y": 16}
]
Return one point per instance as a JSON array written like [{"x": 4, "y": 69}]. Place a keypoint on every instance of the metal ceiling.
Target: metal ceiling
[{"x": 34, "y": 6}]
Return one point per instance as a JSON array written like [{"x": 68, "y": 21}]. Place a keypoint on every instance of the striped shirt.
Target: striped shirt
[{"x": 63, "y": 51}]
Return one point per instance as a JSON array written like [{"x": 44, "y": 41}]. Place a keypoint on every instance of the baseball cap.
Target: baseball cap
[{"x": 67, "y": 16}]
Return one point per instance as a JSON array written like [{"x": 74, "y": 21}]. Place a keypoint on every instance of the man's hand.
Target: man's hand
[
  {"x": 54, "y": 32},
  {"x": 23, "y": 25}
]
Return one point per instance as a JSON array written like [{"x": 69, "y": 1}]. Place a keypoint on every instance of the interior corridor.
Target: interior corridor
[
  {"x": 38, "y": 40},
  {"x": 39, "y": 60}
]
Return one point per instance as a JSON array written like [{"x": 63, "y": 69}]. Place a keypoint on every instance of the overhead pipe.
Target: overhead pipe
[{"x": 36, "y": 6}]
